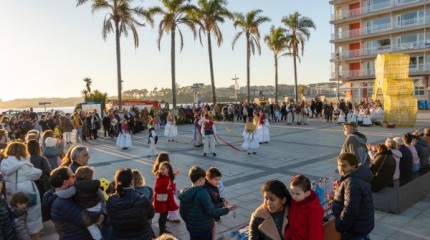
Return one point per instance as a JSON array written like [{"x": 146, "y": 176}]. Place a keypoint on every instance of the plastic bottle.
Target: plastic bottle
[{"x": 221, "y": 189}]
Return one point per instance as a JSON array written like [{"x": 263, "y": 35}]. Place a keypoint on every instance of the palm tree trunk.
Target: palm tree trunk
[
  {"x": 118, "y": 64},
  {"x": 276, "y": 77},
  {"x": 211, "y": 68},
  {"x": 295, "y": 76},
  {"x": 248, "y": 60},
  {"x": 172, "y": 53}
]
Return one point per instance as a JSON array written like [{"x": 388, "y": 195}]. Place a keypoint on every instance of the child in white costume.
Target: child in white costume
[
  {"x": 170, "y": 130},
  {"x": 152, "y": 139},
  {"x": 250, "y": 141},
  {"x": 124, "y": 140},
  {"x": 263, "y": 134},
  {"x": 341, "y": 118}
]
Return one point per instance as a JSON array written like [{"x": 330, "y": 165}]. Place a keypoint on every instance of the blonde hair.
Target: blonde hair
[
  {"x": 138, "y": 178},
  {"x": 17, "y": 149},
  {"x": 84, "y": 173}
]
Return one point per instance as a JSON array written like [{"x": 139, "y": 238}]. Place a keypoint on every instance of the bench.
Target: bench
[{"x": 403, "y": 194}]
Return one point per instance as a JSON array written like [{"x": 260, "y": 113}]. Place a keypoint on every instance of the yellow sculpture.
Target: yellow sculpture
[{"x": 394, "y": 87}]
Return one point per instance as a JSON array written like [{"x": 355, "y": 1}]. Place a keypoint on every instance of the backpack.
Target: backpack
[{"x": 48, "y": 199}]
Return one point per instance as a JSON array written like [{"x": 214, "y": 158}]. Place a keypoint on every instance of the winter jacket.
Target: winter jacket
[
  {"x": 423, "y": 152},
  {"x": 41, "y": 163},
  {"x": 129, "y": 215},
  {"x": 305, "y": 219},
  {"x": 87, "y": 193},
  {"x": 262, "y": 226},
  {"x": 164, "y": 185},
  {"x": 383, "y": 168},
  {"x": 21, "y": 228},
  {"x": 356, "y": 143},
  {"x": 406, "y": 162},
  {"x": 353, "y": 203},
  {"x": 213, "y": 191},
  {"x": 27, "y": 173},
  {"x": 397, "y": 156},
  {"x": 53, "y": 154},
  {"x": 70, "y": 220},
  {"x": 197, "y": 210},
  {"x": 7, "y": 228},
  {"x": 67, "y": 125}
]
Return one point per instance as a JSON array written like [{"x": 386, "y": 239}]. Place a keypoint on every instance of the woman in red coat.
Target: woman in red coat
[
  {"x": 305, "y": 219},
  {"x": 164, "y": 199}
]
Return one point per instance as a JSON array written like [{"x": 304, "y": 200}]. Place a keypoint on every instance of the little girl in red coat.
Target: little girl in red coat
[
  {"x": 305, "y": 218},
  {"x": 164, "y": 199}
]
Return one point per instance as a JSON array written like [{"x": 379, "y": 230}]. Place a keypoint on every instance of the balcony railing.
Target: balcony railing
[
  {"x": 382, "y": 28},
  {"x": 383, "y": 49},
  {"x": 374, "y": 8},
  {"x": 417, "y": 68}
]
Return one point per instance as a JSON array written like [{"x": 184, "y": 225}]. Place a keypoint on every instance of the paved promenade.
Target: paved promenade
[{"x": 310, "y": 150}]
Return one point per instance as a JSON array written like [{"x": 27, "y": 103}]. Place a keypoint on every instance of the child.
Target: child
[
  {"x": 213, "y": 178},
  {"x": 164, "y": 199},
  {"x": 139, "y": 185},
  {"x": 152, "y": 139},
  {"x": 87, "y": 194},
  {"x": 197, "y": 211},
  {"x": 170, "y": 130},
  {"x": 19, "y": 204},
  {"x": 250, "y": 141},
  {"x": 305, "y": 217},
  {"x": 341, "y": 118},
  {"x": 7, "y": 230},
  {"x": 124, "y": 139},
  {"x": 277, "y": 115}
]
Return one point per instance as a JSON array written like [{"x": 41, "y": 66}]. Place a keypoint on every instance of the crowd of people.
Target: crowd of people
[{"x": 40, "y": 181}]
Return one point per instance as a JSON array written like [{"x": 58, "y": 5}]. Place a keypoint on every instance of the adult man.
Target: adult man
[
  {"x": 77, "y": 124},
  {"x": 355, "y": 143},
  {"x": 79, "y": 158},
  {"x": 70, "y": 219}
]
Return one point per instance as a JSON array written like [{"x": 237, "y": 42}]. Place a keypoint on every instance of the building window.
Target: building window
[{"x": 419, "y": 87}]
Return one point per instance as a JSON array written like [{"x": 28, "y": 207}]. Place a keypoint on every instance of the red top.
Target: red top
[
  {"x": 305, "y": 219},
  {"x": 164, "y": 185},
  {"x": 262, "y": 118}
]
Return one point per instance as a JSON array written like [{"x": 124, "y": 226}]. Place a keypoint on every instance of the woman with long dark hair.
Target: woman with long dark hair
[{"x": 129, "y": 210}]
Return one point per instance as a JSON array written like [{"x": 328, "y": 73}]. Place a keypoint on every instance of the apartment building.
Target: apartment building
[{"x": 362, "y": 29}]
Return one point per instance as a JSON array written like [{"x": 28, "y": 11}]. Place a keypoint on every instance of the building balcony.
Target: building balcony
[
  {"x": 382, "y": 28},
  {"x": 414, "y": 69},
  {"x": 369, "y": 52},
  {"x": 375, "y": 8}
]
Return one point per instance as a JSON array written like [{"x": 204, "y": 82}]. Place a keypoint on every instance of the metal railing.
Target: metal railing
[
  {"x": 374, "y": 8},
  {"x": 382, "y": 28},
  {"x": 414, "y": 68}
]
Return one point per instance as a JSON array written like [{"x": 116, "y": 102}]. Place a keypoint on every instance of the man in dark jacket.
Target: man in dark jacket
[
  {"x": 353, "y": 203},
  {"x": 422, "y": 150},
  {"x": 406, "y": 161},
  {"x": 196, "y": 208},
  {"x": 70, "y": 220}
]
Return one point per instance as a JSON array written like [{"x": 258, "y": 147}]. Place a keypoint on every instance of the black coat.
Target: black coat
[
  {"x": 383, "y": 167},
  {"x": 213, "y": 191},
  {"x": 406, "y": 162},
  {"x": 353, "y": 203},
  {"x": 87, "y": 193},
  {"x": 129, "y": 215}
]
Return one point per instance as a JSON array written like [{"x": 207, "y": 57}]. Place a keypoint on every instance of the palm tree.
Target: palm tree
[
  {"x": 88, "y": 83},
  {"x": 176, "y": 12},
  {"x": 249, "y": 25},
  {"x": 210, "y": 13},
  {"x": 299, "y": 32},
  {"x": 121, "y": 18},
  {"x": 277, "y": 42}
]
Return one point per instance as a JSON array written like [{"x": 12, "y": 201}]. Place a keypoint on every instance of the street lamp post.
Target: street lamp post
[
  {"x": 196, "y": 86},
  {"x": 337, "y": 75},
  {"x": 236, "y": 87}
]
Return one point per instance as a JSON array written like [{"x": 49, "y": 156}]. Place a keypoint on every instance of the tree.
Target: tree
[
  {"x": 121, "y": 18},
  {"x": 176, "y": 12},
  {"x": 299, "y": 32},
  {"x": 210, "y": 13},
  {"x": 277, "y": 42},
  {"x": 95, "y": 96},
  {"x": 249, "y": 25}
]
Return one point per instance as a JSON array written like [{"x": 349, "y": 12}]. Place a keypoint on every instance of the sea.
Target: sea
[{"x": 42, "y": 109}]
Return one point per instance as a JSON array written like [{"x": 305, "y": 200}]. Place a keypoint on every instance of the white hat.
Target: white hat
[
  {"x": 398, "y": 140},
  {"x": 50, "y": 142}
]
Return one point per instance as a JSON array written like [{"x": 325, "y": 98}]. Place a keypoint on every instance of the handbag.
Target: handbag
[
  {"x": 32, "y": 197},
  {"x": 161, "y": 197},
  {"x": 377, "y": 172}
]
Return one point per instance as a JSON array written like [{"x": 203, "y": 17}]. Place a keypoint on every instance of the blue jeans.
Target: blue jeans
[{"x": 78, "y": 134}]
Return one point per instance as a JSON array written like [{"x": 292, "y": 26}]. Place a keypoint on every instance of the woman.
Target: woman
[
  {"x": 20, "y": 174},
  {"x": 397, "y": 154},
  {"x": 407, "y": 140},
  {"x": 353, "y": 203},
  {"x": 269, "y": 220},
  {"x": 383, "y": 167},
  {"x": 41, "y": 163},
  {"x": 129, "y": 210}
]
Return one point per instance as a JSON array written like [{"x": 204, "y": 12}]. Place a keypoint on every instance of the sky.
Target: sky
[{"x": 47, "y": 47}]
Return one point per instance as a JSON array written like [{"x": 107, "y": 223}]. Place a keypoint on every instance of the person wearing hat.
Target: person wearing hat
[
  {"x": 355, "y": 143},
  {"x": 406, "y": 161}
]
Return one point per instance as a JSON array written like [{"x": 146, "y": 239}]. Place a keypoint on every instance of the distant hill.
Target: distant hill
[{"x": 34, "y": 102}]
